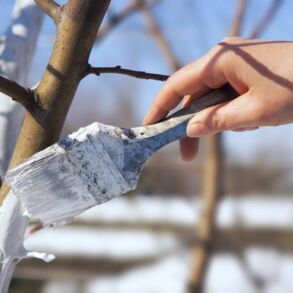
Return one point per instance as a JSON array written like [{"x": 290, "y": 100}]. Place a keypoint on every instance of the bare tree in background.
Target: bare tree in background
[
  {"x": 212, "y": 190},
  {"x": 214, "y": 171}
]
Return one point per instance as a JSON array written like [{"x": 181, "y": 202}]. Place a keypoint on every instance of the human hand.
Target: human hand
[{"x": 260, "y": 71}]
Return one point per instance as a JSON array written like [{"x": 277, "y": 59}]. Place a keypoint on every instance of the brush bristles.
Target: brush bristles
[{"x": 65, "y": 179}]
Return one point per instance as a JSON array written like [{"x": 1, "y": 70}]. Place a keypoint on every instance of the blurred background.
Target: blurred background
[{"x": 157, "y": 239}]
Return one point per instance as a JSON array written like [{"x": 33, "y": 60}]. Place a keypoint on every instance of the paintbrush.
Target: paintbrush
[{"x": 97, "y": 163}]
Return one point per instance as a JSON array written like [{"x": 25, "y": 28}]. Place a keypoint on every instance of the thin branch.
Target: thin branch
[
  {"x": 124, "y": 71},
  {"x": 266, "y": 19},
  {"x": 50, "y": 7},
  {"x": 159, "y": 37},
  {"x": 237, "y": 23},
  {"x": 18, "y": 93},
  {"x": 129, "y": 10}
]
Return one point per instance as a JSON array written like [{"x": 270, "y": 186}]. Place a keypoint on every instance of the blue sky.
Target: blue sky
[{"x": 192, "y": 27}]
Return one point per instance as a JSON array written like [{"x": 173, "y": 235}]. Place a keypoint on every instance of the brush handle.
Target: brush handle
[{"x": 173, "y": 127}]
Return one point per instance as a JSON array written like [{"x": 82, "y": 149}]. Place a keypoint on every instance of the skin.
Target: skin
[{"x": 260, "y": 71}]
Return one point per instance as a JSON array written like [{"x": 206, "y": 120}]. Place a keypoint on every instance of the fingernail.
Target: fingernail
[{"x": 197, "y": 130}]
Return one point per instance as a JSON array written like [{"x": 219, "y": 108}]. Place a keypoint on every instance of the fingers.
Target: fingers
[
  {"x": 245, "y": 112},
  {"x": 194, "y": 79},
  {"x": 189, "y": 148}
]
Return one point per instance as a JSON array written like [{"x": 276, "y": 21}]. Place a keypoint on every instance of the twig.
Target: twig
[
  {"x": 159, "y": 37},
  {"x": 50, "y": 7},
  {"x": 18, "y": 93},
  {"x": 266, "y": 19},
  {"x": 129, "y": 10},
  {"x": 124, "y": 71}
]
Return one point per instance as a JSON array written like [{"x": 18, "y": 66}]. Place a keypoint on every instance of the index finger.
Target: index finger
[
  {"x": 194, "y": 79},
  {"x": 178, "y": 85}
]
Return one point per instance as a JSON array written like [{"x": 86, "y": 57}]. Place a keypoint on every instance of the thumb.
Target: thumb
[{"x": 242, "y": 112}]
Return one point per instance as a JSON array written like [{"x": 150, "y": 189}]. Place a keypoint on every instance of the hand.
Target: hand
[{"x": 260, "y": 71}]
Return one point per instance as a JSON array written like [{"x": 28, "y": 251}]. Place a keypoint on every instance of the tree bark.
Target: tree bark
[
  {"x": 77, "y": 26},
  {"x": 212, "y": 190}
]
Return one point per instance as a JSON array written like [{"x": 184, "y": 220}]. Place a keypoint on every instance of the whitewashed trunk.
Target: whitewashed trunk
[{"x": 17, "y": 46}]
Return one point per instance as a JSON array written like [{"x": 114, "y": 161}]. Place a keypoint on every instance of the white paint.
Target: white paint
[
  {"x": 20, "y": 30},
  {"x": 16, "y": 51},
  {"x": 89, "y": 167},
  {"x": 12, "y": 231},
  {"x": 69, "y": 177}
]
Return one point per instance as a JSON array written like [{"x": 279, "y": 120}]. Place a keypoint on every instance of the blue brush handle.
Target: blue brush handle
[{"x": 174, "y": 126}]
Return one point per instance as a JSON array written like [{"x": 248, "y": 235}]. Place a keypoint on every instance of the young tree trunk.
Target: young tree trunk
[
  {"x": 212, "y": 190},
  {"x": 77, "y": 25}
]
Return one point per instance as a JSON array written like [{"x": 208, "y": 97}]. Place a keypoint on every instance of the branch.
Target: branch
[
  {"x": 237, "y": 22},
  {"x": 50, "y": 7},
  {"x": 129, "y": 10},
  {"x": 18, "y": 93},
  {"x": 159, "y": 37},
  {"x": 129, "y": 72},
  {"x": 268, "y": 16}
]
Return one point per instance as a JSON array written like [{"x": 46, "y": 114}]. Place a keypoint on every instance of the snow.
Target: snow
[
  {"x": 253, "y": 211},
  {"x": 169, "y": 273},
  {"x": 143, "y": 208},
  {"x": 168, "y": 276},
  {"x": 257, "y": 211},
  {"x": 226, "y": 275},
  {"x": 270, "y": 259},
  {"x": 92, "y": 242}
]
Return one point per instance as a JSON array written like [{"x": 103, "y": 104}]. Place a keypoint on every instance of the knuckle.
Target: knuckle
[
  {"x": 227, "y": 46},
  {"x": 231, "y": 40},
  {"x": 171, "y": 78},
  {"x": 219, "y": 123},
  {"x": 173, "y": 81},
  {"x": 211, "y": 81},
  {"x": 261, "y": 114},
  {"x": 177, "y": 75}
]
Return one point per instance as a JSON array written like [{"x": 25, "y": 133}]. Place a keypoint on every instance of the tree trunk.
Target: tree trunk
[{"x": 76, "y": 33}]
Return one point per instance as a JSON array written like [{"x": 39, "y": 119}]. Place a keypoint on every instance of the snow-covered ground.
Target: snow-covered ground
[
  {"x": 225, "y": 275},
  {"x": 170, "y": 272},
  {"x": 252, "y": 210}
]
